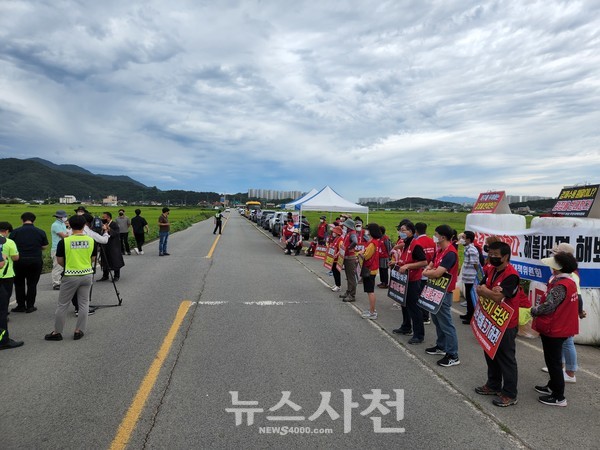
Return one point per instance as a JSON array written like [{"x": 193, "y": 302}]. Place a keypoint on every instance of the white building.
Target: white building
[
  {"x": 67, "y": 200},
  {"x": 111, "y": 200}
]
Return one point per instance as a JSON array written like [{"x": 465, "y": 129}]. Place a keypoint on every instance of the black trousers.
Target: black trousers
[
  {"x": 553, "y": 356},
  {"x": 139, "y": 240},
  {"x": 27, "y": 276},
  {"x": 6, "y": 285},
  {"x": 414, "y": 312},
  {"x": 124, "y": 243},
  {"x": 218, "y": 226},
  {"x": 469, "y": 298},
  {"x": 384, "y": 275},
  {"x": 504, "y": 365},
  {"x": 337, "y": 275}
]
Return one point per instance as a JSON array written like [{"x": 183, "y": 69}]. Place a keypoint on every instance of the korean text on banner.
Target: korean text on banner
[
  {"x": 490, "y": 321},
  {"x": 433, "y": 293},
  {"x": 398, "y": 285}
]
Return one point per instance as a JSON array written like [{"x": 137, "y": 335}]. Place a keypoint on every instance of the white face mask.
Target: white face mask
[
  {"x": 344, "y": 229},
  {"x": 436, "y": 239},
  {"x": 462, "y": 242},
  {"x": 63, "y": 219}
]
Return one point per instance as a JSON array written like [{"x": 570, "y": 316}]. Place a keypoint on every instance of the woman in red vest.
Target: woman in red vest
[
  {"x": 556, "y": 318},
  {"x": 370, "y": 257}
]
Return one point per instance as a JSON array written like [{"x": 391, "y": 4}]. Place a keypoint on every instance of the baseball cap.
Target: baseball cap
[
  {"x": 551, "y": 262},
  {"x": 563, "y": 247}
]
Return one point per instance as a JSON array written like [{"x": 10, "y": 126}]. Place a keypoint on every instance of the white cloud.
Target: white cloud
[{"x": 305, "y": 94}]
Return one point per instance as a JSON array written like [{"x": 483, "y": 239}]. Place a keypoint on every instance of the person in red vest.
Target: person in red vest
[
  {"x": 414, "y": 260},
  {"x": 336, "y": 242},
  {"x": 350, "y": 261},
  {"x": 429, "y": 247},
  {"x": 446, "y": 260},
  {"x": 556, "y": 318},
  {"x": 370, "y": 257},
  {"x": 501, "y": 283},
  {"x": 322, "y": 230}
]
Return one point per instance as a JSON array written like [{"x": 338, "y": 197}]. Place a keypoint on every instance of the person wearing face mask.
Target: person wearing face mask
[
  {"x": 31, "y": 242},
  {"x": 370, "y": 266},
  {"x": 429, "y": 247},
  {"x": 396, "y": 256},
  {"x": 322, "y": 230},
  {"x": 501, "y": 284},
  {"x": 446, "y": 260},
  {"x": 469, "y": 271},
  {"x": 385, "y": 247},
  {"x": 350, "y": 261},
  {"x": 58, "y": 231},
  {"x": 336, "y": 241},
  {"x": 112, "y": 258},
  {"x": 124, "y": 224},
  {"x": 556, "y": 318}
]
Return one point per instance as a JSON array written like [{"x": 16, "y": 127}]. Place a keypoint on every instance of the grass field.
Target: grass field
[{"x": 180, "y": 218}]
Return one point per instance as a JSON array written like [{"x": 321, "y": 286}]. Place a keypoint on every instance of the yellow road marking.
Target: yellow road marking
[
  {"x": 212, "y": 248},
  {"x": 130, "y": 420}
]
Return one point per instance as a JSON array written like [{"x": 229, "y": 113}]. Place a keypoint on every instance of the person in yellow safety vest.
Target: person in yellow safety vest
[
  {"x": 8, "y": 255},
  {"x": 76, "y": 254}
]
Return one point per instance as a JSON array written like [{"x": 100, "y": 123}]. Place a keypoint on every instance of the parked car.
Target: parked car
[
  {"x": 278, "y": 219},
  {"x": 305, "y": 229},
  {"x": 263, "y": 216},
  {"x": 266, "y": 220}
]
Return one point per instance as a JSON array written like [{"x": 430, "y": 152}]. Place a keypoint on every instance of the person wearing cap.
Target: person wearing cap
[
  {"x": 58, "y": 231},
  {"x": 556, "y": 318},
  {"x": 445, "y": 261},
  {"x": 294, "y": 242},
  {"x": 31, "y": 242},
  {"x": 322, "y": 230},
  {"x": 501, "y": 284},
  {"x": 8, "y": 255},
  {"x": 163, "y": 232},
  {"x": 336, "y": 242},
  {"x": 350, "y": 259},
  {"x": 569, "y": 353}
]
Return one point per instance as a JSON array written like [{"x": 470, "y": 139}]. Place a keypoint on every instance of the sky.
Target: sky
[{"x": 393, "y": 99}]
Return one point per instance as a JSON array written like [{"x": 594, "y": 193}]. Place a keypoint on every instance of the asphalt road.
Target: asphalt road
[{"x": 260, "y": 323}]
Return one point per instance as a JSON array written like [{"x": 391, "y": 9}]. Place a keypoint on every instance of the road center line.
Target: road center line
[
  {"x": 212, "y": 248},
  {"x": 130, "y": 420}
]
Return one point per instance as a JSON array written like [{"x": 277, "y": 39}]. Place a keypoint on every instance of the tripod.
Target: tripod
[{"x": 112, "y": 279}]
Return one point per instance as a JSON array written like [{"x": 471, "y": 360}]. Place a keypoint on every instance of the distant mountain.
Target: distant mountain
[
  {"x": 459, "y": 200},
  {"x": 38, "y": 179},
  {"x": 76, "y": 169}
]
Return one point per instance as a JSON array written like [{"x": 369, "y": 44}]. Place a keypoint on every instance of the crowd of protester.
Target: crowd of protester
[{"x": 361, "y": 252}]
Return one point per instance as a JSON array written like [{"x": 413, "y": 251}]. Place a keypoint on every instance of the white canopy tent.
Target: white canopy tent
[
  {"x": 329, "y": 200},
  {"x": 305, "y": 197}
]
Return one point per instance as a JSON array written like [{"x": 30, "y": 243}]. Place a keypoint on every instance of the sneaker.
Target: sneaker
[
  {"x": 396, "y": 305},
  {"x": 402, "y": 331},
  {"x": 91, "y": 312},
  {"x": 7, "y": 344},
  {"x": 76, "y": 313},
  {"x": 330, "y": 273},
  {"x": 427, "y": 322},
  {"x": 136, "y": 251},
  {"x": 504, "y": 401},
  {"x": 463, "y": 304},
  {"x": 435, "y": 350},
  {"x": 56, "y": 287},
  {"x": 552, "y": 401},
  {"x": 141, "y": 252},
  {"x": 349, "y": 299},
  {"x": 415, "y": 341},
  {"x": 369, "y": 315},
  {"x": 545, "y": 369},
  {"x": 543, "y": 390},
  {"x": 568, "y": 378},
  {"x": 166, "y": 254},
  {"x": 448, "y": 361},
  {"x": 53, "y": 337},
  {"x": 19, "y": 309},
  {"x": 336, "y": 289},
  {"x": 486, "y": 390},
  {"x": 343, "y": 295}
]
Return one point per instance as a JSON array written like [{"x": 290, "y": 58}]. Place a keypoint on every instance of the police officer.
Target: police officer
[
  {"x": 218, "y": 222},
  {"x": 76, "y": 254},
  {"x": 8, "y": 254}
]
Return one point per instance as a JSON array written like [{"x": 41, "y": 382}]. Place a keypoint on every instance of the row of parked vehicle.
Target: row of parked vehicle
[{"x": 274, "y": 221}]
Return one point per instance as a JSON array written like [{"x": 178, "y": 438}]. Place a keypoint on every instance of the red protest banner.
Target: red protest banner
[
  {"x": 487, "y": 202},
  {"x": 320, "y": 252},
  {"x": 489, "y": 323},
  {"x": 329, "y": 260}
]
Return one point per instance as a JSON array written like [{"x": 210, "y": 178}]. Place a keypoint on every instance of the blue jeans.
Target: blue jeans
[
  {"x": 446, "y": 333},
  {"x": 163, "y": 237},
  {"x": 569, "y": 354}
]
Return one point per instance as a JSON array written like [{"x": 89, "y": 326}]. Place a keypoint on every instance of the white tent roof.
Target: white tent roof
[
  {"x": 305, "y": 197},
  {"x": 329, "y": 200}
]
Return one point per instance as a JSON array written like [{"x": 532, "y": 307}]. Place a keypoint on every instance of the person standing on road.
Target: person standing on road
[
  {"x": 469, "y": 272},
  {"x": 322, "y": 230},
  {"x": 336, "y": 235},
  {"x": 58, "y": 231},
  {"x": 350, "y": 261},
  {"x": 31, "y": 242},
  {"x": 429, "y": 248},
  {"x": 385, "y": 247},
  {"x": 446, "y": 260},
  {"x": 76, "y": 254},
  {"x": 501, "y": 284},
  {"x": 112, "y": 258},
  {"x": 370, "y": 266},
  {"x": 218, "y": 222},
  {"x": 163, "y": 232},
  {"x": 556, "y": 318},
  {"x": 413, "y": 260},
  {"x": 140, "y": 229},
  {"x": 8, "y": 255},
  {"x": 124, "y": 223}
]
